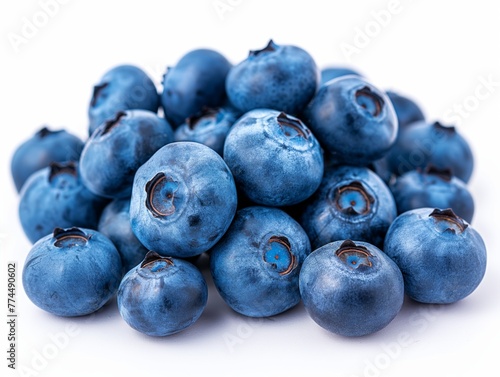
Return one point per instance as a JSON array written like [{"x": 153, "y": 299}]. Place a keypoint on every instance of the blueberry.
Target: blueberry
[
  {"x": 351, "y": 203},
  {"x": 183, "y": 200},
  {"x": 432, "y": 188},
  {"x": 72, "y": 272},
  {"x": 196, "y": 81},
  {"x": 431, "y": 143},
  {"x": 442, "y": 258},
  {"x": 255, "y": 266},
  {"x": 115, "y": 224},
  {"x": 351, "y": 288},
  {"x": 123, "y": 87},
  {"x": 118, "y": 148},
  {"x": 407, "y": 110},
  {"x": 354, "y": 121},
  {"x": 331, "y": 73},
  {"x": 39, "y": 151},
  {"x": 274, "y": 157},
  {"x": 56, "y": 197},
  {"x": 210, "y": 127},
  {"x": 280, "y": 77},
  {"x": 162, "y": 295}
]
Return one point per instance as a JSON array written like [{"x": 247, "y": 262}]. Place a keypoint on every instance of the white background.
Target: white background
[{"x": 439, "y": 53}]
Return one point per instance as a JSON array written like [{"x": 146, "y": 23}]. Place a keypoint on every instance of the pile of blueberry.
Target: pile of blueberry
[{"x": 296, "y": 184}]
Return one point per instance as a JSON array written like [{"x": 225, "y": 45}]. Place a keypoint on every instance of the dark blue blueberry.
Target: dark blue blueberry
[
  {"x": 72, "y": 272},
  {"x": 407, "y": 110},
  {"x": 162, "y": 295},
  {"x": 38, "y": 152},
  {"x": 354, "y": 121},
  {"x": 279, "y": 77},
  {"x": 115, "y": 224},
  {"x": 56, "y": 197},
  {"x": 331, "y": 73},
  {"x": 351, "y": 288},
  {"x": 209, "y": 127},
  {"x": 425, "y": 144},
  {"x": 274, "y": 157},
  {"x": 124, "y": 87},
  {"x": 432, "y": 188},
  {"x": 183, "y": 200},
  {"x": 442, "y": 258},
  {"x": 198, "y": 80},
  {"x": 256, "y": 265},
  {"x": 351, "y": 203},
  {"x": 118, "y": 148}
]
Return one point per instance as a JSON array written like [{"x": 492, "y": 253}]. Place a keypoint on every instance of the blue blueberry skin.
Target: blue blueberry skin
[
  {"x": 162, "y": 295},
  {"x": 209, "y": 127},
  {"x": 115, "y": 224},
  {"x": 39, "y": 151},
  {"x": 280, "y": 77},
  {"x": 351, "y": 288},
  {"x": 274, "y": 157},
  {"x": 72, "y": 272},
  {"x": 436, "y": 144},
  {"x": 56, "y": 197},
  {"x": 124, "y": 87},
  {"x": 183, "y": 200},
  {"x": 118, "y": 148},
  {"x": 255, "y": 266},
  {"x": 331, "y": 73},
  {"x": 354, "y": 121},
  {"x": 351, "y": 203},
  {"x": 407, "y": 110},
  {"x": 432, "y": 188},
  {"x": 197, "y": 80},
  {"x": 442, "y": 258}
]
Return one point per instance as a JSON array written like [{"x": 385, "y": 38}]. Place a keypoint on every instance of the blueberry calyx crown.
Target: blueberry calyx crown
[
  {"x": 369, "y": 100},
  {"x": 206, "y": 112},
  {"x": 445, "y": 174},
  {"x": 447, "y": 221},
  {"x": 96, "y": 93},
  {"x": 44, "y": 131},
  {"x": 155, "y": 262},
  {"x": 70, "y": 237},
  {"x": 444, "y": 129},
  {"x": 292, "y": 127},
  {"x": 354, "y": 255},
  {"x": 279, "y": 255},
  {"x": 160, "y": 195},
  {"x": 353, "y": 199},
  {"x": 111, "y": 123},
  {"x": 271, "y": 47},
  {"x": 58, "y": 168}
]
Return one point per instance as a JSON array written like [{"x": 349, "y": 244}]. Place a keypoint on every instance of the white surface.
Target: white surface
[{"x": 439, "y": 53}]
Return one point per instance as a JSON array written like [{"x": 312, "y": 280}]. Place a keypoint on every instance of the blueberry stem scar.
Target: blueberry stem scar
[
  {"x": 69, "y": 237},
  {"x": 448, "y": 217},
  {"x": 354, "y": 255}
]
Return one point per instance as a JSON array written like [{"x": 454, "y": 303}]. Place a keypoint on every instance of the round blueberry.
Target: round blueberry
[
  {"x": 72, "y": 272},
  {"x": 45, "y": 147},
  {"x": 123, "y": 87},
  {"x": 274, "y": 157},
  {"x": 280, "y": 77},
  {"x": 351, "y": 203},
  {"x": 354, "y": 121},
  {"x": 351, "y": 288},
  {"x": 118, "y": 148},
  {"x": 162, "y": 295},
  {"x": 56, "y": 197},
  {"x": 256, "y": 265},
  {"x": 442, "y": 258},
  {"x": 183, "y": 200}
]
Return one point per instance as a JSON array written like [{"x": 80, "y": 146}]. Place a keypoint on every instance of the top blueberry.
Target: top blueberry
[
  {"x": 282, "y": 78},
  {"x": 124, "y": 87}
]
